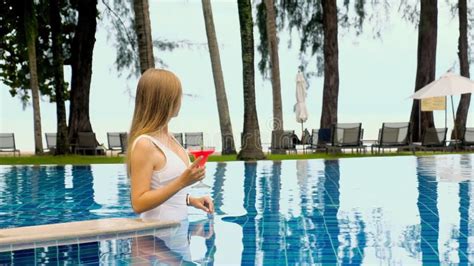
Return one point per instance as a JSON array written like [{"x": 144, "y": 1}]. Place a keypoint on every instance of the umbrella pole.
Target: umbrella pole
[
  {"x": 445, "y": 111},
  {"x": 454, "y": 125},
  {"x": 302, "y": 136},
  {"x": 302, "y": 133}
]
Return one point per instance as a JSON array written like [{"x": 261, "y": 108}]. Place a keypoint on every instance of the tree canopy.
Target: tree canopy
[{"x": 14, "y": 71}]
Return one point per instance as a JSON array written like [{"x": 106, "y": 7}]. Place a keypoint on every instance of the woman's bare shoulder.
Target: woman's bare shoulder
[
  {"x": 145, "y": 150},
  {"x": 143, "y": 144}
]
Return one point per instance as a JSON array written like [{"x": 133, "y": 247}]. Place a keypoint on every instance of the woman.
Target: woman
[{"x": 158, "y": 166}]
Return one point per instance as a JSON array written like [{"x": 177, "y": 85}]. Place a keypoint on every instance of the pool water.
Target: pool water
[{"x": 387, "y": 210}]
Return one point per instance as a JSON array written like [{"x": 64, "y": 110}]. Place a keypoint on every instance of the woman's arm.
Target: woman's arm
[{"x": 143, "y": 197}]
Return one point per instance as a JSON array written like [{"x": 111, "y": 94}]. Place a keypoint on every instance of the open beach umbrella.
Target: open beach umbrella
[
  {"x": 300, "y": 106},
  {"x": 448, "y": 85}
]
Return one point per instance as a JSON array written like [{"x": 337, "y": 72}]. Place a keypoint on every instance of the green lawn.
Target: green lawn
[{"x": 78, "y": 160}]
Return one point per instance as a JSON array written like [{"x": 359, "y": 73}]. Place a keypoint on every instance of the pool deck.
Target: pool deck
[{"x": 78, "y": 232}]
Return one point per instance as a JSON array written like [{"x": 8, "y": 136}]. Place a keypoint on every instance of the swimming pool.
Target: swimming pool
[{"x": 387, "y": 210}]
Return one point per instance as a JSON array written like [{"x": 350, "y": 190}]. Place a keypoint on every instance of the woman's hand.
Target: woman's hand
[
  {"x": 204, "y": 203},
  {"x": 193, "y": 174}
]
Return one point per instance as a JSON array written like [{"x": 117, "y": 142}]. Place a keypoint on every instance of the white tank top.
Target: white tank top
[{"x": 174, "y": 208}]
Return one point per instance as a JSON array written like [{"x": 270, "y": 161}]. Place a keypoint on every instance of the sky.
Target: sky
[{"x": 377, "y": 75}]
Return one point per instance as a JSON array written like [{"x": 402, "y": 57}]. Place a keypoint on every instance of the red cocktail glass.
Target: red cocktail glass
[{"x": 204, "y": 152}]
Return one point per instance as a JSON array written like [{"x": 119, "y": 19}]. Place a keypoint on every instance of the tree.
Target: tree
[
  {"x": 426, "y": 64},
  {"x": 62, "y": 143},
  {"x": 317, "y": 22},
  {"x": 266, "y": 18},
  {"x": 31, "y": 31},
  {"x": 331, "y": 64},
  {"x": 143, "y": 32},
  {"x": 463, "y": 53},
  {"x": 81, "y": 68},
  {"x": 251, "y": 146},
  {"x": 228, "y": 146}
]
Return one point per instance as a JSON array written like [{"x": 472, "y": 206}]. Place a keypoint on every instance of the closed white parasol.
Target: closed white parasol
[{"x": 300, "y": 106}]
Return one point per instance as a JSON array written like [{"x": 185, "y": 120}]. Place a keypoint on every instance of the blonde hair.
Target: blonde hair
[{"x": 157, "y": 100}]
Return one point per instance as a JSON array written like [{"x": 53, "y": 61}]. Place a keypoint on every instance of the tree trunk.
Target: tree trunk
[
  {"x": 274, "y": 64},
  {"x": 463, "y": 107},
  {"x": 227, "y": 137},
  {"x": 81, "y": 66},
  {"x": 143, "y": 31},
  {"x": 31, "y": 29},
  {"x": 426, "y": 64},
  {"x": 251, "y": 143},
  {"x": 62, "y": 144},
  {"x": 331, "y": 65}
]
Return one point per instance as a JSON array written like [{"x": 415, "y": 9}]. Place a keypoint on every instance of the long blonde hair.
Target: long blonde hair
[{"x": 157, "y": 100}]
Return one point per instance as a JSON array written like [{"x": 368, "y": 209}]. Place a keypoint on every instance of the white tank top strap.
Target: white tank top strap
[{"x": 155, "y": 141}]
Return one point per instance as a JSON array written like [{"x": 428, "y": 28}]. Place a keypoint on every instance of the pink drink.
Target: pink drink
[{"x": 204, "y": 153}]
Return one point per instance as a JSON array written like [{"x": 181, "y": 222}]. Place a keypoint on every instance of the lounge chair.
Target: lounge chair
[
  {"x": 7, "y": 143},
  {"x": 193, "y": 139},
  {"x": 346, "y": 136},
  {"x": 305, "y": 141},
  {"x": 433, "y": 139},
  {"x": 467, "y": 140},
  {"x": 86, "y": 141},
  {"x": 393, "y": 135},
  {"x": 306, "y": 138},
  {"x": 179, "y": 138},
  {"x": 319, "y": 139},
  {"x": 282, "y": 141},
  {"x": 123, "y": 143},
  {"x": 114, "y": 142},
  {"x": 51, "y": 139},
  {"x": 324, "y": 137}
]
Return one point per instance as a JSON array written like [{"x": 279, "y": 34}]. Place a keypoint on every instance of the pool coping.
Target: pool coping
[{"x": 28, "y": 237}]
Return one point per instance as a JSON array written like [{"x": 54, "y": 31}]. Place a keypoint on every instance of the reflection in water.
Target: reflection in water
[
  {"x": 21, "y": 196},
  {"x": 352, "y": 239},
  {"x": 428, "y": 209},
  {"x": 464, "y": 205},
  {"x": 218, "y": 187},
  {"x": 330, "y": 242},
  {"x": 311, "y": 238},
  {"x": 172, "y": 246},
  {"x": 82, "y": 190},
  {"x": 464, "y": 202},
  {"x": 270, "y": 225},
  {"x": 297, "y": 236},
  {"x": 247, "y": 221},
  {"x": 42, "y": 195},
  {"x": 295, "y": 212}
]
